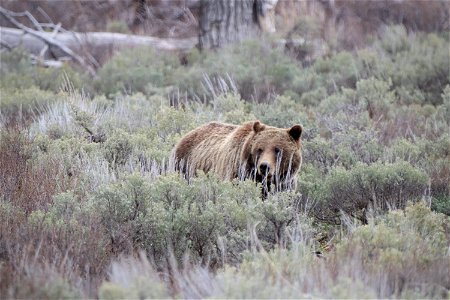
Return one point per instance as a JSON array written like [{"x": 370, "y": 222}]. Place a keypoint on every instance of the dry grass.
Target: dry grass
[{"x": 25, "y": 182}]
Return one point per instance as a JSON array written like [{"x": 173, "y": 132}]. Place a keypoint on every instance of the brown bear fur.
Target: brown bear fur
[{"x": 251, "y": 150}]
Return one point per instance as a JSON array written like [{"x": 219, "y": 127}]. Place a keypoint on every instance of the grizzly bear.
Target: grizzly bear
[{"x": 253, "y": 150}]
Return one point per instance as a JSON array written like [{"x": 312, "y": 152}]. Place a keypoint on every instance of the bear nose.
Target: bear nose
[{"x": 264, "y": 168}]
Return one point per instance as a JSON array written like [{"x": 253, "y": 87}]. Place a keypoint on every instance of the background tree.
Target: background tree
[{"x": 226, "y": 21}]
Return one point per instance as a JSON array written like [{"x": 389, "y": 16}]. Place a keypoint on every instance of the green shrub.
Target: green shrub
[
  {"x": 169, "y": 122},
  {"x": 25, "y": 102},
  {"x": 257, "y": 69},
  {"x": 141, "y": 288},
  {"x": 432, "y": 157},
  {"x": 378, "y": 187},
  {"x": 18, "y": 72},
  {"x": 118, "y": 148},
  {"x": 282, "y": 112},
  {"x": 313, "y": 97},
  {"x": 407, "y": 247},
  {"x": 371, "y": 95},
  {"x": 231, "y": 108},
  {"x": 418, "y": 65},
  {"x": 171, "y": 214},
  {"x": 45, "y": 286},
  {"x": 376, "y": 97},
  {"x": 441, "y": 204},
  {"x": 281, "y": 212},
  {"x": 384, "y": 259},
  {"x": 134, "y": 70},
  {"x": 207, "y": 218},
  {"x": 14, "y": 61},
  {"x": 345, "y": 148},
  {"x": 340, "y": 70}
]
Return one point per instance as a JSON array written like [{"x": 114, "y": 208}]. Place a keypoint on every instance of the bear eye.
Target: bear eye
[{"x": 277, "y": 151}]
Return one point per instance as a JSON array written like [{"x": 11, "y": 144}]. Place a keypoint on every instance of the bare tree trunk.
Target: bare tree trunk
[{"x": 227, "y": 21}]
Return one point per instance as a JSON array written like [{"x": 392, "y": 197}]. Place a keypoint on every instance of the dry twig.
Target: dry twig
[{"x": 49, "y": 40}]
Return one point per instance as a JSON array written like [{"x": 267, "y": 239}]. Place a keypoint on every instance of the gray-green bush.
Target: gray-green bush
[{"x": 386, "y": 258}]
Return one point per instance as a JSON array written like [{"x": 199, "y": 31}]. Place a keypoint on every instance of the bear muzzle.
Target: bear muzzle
[{"x": 265, "y": 170}]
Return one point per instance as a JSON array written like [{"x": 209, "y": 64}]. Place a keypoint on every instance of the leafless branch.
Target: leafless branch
[
  {"x": 6, "y": 45},
  {"x": 49, "y": 40},
  {"x": 23, "y": 14},
  {"x": 43, "y": 13}
]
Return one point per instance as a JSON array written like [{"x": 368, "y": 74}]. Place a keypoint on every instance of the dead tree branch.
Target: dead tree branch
[
  {"x": 63, "y": 44},
  {"x": 48, "y": 39}
]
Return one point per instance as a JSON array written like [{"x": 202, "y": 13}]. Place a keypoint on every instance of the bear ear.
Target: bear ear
[
  {"x": 295, "y": 132},
  {"x": 258, "y": 126}
]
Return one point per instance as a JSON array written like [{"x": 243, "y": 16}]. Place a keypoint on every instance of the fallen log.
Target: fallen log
[{"x": 34, "y": 40}]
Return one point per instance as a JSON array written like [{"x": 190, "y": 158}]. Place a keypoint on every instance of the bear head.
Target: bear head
[{"x": 273, "y": 154}]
